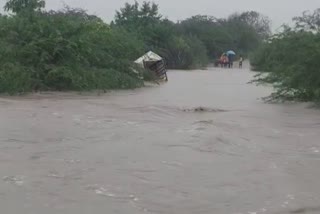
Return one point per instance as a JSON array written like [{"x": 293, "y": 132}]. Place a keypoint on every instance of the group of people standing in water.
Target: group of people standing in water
[{"x": 227, "y": 59}]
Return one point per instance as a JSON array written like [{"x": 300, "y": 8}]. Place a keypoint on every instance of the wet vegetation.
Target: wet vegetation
[
  {"x": 63, "y": 50},
  {"x": 193, "y": 42},
  {"x": 72, "y": 50},
  {"x": 290, "y": 60}
]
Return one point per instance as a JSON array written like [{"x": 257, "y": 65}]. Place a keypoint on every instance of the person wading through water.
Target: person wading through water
[
  {"x": 240, "y": 61},
  {"x": 230, "y": 59}
]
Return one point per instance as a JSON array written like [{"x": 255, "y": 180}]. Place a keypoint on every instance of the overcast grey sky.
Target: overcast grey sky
[{"x": 280, "y": 11}]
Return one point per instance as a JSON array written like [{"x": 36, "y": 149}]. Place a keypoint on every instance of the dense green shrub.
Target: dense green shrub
[
  {"x": 64, "y": 50},
  {"x": 290, "y": 62}
]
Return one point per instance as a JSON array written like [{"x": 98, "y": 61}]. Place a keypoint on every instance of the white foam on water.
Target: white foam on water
[
  {"x": 56, "y": 114},
  {"x": 53, "y": 175},
  {"x": 285, "y": 204},
  {"x": 104, "y": 192},
  {"x": 275, "y": 131},
  {"x": 273, "y": 166},
  {"x": 172, "y": 163},
  {"x": 132, "y": 123},
  {"x": 291, "y": 197},
  {"x": 134, "y": 198},
  {"x": 71, "y": 161},
  {"x": 263, "y": 210},
  {"x": 16, "y": 180}
]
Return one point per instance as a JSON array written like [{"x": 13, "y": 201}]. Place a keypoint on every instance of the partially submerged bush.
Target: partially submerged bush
[
  {"x": 290, "y": 62},
  {"x": 65, "y": 50}
]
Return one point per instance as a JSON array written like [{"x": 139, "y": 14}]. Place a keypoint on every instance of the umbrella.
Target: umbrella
[{"x": 231, "y": 53}]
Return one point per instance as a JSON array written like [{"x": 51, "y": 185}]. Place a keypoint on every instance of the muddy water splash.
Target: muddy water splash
[{"x": 203, "y": 143}]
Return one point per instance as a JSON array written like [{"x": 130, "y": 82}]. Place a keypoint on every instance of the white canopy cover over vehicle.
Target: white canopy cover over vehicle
[
  {"x": 148, "y": 57},
  {"x": 154, "y": 63}
]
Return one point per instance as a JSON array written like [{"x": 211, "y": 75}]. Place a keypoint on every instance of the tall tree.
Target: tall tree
[
  {"x": 136, "y": 15},
  {"x": 309, "y": 21},
  {"x": 259, "y": 22},
  {"x": 18, "y": 6}
]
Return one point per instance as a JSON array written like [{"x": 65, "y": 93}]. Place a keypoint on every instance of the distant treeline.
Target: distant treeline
[
  {"x": 191, "y": 43},
  {"x": 72, "y": 50},
  {"x": 290, "y": 60}
]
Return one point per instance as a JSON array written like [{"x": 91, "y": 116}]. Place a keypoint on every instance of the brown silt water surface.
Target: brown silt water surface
[{"x": 203, "y": 143}]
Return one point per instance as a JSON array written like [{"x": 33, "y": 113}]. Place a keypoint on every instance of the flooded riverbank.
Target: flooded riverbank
[{"x": 150, "y": 150}]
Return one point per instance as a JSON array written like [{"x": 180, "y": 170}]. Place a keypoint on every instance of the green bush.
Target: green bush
[
  {"x": 290, "y": 62},
  {"x": 15, "y": 79},
  {"x": 65, "y": 50}
]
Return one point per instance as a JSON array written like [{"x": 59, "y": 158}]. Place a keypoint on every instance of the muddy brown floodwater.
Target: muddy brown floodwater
[{"x": 204, "y": 143}]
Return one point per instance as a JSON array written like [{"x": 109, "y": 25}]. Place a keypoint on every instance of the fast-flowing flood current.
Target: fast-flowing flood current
[{"x": 203, "y": 143}]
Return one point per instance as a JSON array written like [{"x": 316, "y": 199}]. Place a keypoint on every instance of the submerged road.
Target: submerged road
[{"x": 151, "y": 151}]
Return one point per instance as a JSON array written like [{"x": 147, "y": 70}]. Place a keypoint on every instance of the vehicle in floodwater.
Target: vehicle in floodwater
[{"x": 153, "y": 63}]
